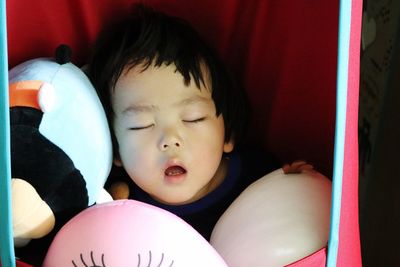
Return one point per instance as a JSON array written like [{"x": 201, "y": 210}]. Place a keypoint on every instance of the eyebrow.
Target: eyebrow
[
  {"x": 192, "y": 100},
  {"x": 137, "y": 108}
]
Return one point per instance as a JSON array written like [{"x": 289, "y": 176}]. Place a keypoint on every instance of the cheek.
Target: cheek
[
  {"x": 210, "y": 144},
  {"x": 139, "y": 164},
  {"x": 216, "y": 135},
  {"x": 208, "y": 163},
  {"x": 133, "y": 151}
]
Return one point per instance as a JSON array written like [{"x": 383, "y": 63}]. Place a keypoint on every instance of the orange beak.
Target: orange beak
[{"x": 25, "y": 94}]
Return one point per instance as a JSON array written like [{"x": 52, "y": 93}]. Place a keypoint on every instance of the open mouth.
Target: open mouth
[{"x": 174, "y": 171}]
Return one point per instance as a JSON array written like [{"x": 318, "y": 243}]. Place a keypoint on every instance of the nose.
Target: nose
[{"x": 170, "y": 140}]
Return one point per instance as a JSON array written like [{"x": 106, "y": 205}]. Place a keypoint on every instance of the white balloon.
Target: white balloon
[{"x": 277, "y": 220}]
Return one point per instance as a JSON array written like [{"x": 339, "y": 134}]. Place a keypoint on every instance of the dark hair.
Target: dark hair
[{"x": 150, "y": 37}]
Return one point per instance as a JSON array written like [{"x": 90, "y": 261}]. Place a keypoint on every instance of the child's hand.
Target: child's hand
[
  {"x": 297, "y": 166},
  {"x": 119, "y": 190}
]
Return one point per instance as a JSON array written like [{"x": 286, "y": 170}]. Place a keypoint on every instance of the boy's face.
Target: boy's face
[{"x": 170, "y": 141}]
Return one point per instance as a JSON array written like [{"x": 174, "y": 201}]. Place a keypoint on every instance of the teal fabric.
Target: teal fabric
[
  {"x": 341, "y": 105},
  {"x": 6, "y": 240}
]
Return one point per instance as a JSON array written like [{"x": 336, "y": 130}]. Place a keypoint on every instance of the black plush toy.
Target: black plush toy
[{"x": 61, "y": 149}]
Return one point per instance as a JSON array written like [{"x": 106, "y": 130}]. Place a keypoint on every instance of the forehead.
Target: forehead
[
  {"x": 162, "y": 84},
  {"x": 148, "y": 73}
]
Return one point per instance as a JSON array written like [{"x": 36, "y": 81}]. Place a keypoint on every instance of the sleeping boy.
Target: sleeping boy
[{"x": 176, "y": 117}]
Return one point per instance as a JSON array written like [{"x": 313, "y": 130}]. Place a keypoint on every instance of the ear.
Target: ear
[
  {"x": 117, "y": 160},
  {"x": 228, "y": 146}
]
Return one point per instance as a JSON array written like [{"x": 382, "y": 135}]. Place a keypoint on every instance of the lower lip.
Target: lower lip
[{"x": 175, "y": 179}]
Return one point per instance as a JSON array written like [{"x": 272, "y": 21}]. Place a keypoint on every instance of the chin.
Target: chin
[
  {"x": 174, "y": 200},
  {"x": 177, "y": 201}
]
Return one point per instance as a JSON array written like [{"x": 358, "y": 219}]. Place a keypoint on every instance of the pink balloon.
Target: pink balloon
[{"x": 129, "y": 233}]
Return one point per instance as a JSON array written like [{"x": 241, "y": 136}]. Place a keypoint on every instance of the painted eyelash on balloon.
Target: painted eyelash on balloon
[
  {"x": 150, "y": 261},
  {"x": 93, "y": 263}
]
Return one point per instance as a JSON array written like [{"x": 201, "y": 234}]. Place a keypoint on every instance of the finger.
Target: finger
[
  {"x": 306, "y": 167},
  {"x": 302, "y": 164},
  {"x": 298, "y": 163},
  {"x": 286, "y": 168}
]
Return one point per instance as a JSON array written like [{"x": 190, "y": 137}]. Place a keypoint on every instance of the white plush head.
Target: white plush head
[{"x": 73, "y": 117}]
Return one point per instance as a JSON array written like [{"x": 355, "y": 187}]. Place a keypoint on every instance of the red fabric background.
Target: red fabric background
[
  {"x": 284, "y": 52},
  {"x": 317, "y": 259}
]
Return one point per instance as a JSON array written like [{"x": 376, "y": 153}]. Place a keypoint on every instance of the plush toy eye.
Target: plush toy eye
[{"x": 93, "y": 263}]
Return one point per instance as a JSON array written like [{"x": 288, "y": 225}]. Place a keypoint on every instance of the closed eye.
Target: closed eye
[
  {"x": 195, "y": 120},
  {"x": 140, "y": 127}
]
